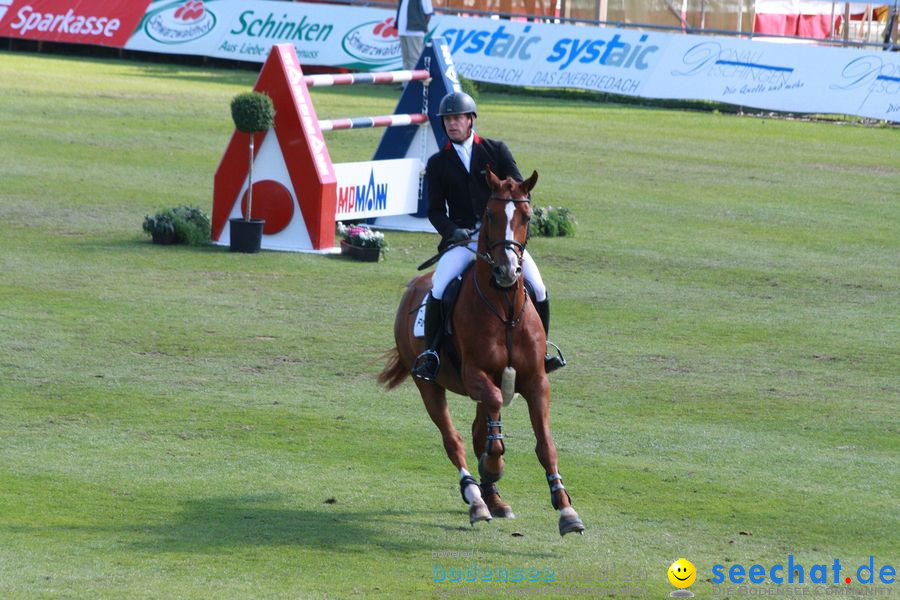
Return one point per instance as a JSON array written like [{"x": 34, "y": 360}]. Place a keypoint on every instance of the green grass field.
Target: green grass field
[{"x": 188, "y": 423}]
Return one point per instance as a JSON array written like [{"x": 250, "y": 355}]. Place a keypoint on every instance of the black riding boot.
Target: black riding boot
[
  {"x": 551, "y": 363},
  {"x": 428, "y": 363}
]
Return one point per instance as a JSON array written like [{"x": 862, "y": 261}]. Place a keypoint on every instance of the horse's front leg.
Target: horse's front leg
[
  {"x": 435, "y": 399},
  {"x": 537, "y": 395},
  {"x": 487, "y": 440},
  {"x": 489, "y": 475}
]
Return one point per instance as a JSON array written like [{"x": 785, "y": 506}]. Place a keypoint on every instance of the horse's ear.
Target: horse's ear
[
  {"x": 529, "y": 183},
  {"x": 492, "y": 180}
]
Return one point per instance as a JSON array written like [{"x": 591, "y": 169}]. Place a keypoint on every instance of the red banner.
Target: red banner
[{"x": 99, "y": 22}]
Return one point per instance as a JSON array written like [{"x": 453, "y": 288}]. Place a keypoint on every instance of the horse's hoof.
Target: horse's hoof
[
  {"x": 499, "y": 508},
  {"x": 570, "y": 523},
  {"x": 491, "y": 497},
  {"x": 478, "y": 511},
  {"x": 503, "y": 512}
]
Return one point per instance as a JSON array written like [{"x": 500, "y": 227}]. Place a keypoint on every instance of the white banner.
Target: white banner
[
  {"x": 322, "y": 34},
  {"x": 784, "y": 77},
  {"x": 771, "y": 76},
  {"x": 377, "y": 188}
]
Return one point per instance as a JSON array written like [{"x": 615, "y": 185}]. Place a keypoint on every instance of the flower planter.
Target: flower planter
[
  {"x": 246, "y": 236},
  {"x": 164, "y": 237},
  {"x": 360, "y": 253}
]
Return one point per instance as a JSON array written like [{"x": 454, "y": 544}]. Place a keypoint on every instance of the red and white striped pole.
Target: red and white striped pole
[
  {"x": 351, "y": 78},
  {"x": 363, "y": 122}
]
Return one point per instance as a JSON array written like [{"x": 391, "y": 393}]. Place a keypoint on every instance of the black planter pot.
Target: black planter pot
[
  {"x": 246, "y": 236},
  {"x": 360, "y": 253}
]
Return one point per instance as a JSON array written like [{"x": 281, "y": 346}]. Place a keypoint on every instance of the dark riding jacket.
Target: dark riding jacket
[{"x": 457, "y": 198}]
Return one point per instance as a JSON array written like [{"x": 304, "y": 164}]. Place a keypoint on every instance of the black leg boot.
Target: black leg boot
[
  {"x": 428, "y": 363},
  {"x": 551, "y": 363}
]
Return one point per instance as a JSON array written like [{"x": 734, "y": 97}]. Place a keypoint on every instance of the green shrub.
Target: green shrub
[
  {"x": 470, "y": 87},
  {"x": 161, "y": 226},
  {"x": 252, "y": 112},
  {"x": 552, "y": 222},
  {"x": 180, "y": 225}
]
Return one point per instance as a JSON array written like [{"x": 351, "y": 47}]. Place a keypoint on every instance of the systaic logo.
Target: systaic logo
[
  {"x": 375, "y": 42},
  {"x": 4, "y": 6},
  {"x": 180, "y": 22}
]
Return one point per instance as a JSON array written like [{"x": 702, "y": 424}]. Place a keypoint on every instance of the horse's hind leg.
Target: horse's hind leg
[
  {"x": 538, "y": 399},
  {"x": 435, "y": 399},
  {"x": 490, "y": 462}
]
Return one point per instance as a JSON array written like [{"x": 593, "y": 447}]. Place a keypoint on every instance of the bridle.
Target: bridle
[
  {"x": 511, "y": 320},
  {"x": 517, "y": 247}
]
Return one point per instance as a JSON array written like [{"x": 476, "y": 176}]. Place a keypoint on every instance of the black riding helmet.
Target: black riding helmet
[{"x": 457, "y": 103}]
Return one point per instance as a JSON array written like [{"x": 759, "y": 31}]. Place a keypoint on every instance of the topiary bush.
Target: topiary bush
[
  {"x": 252, "y": 112},
  {"x": 180, "y": 225}
]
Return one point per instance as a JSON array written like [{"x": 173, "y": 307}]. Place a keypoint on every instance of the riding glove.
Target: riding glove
[{"x": 460, "y": 235}]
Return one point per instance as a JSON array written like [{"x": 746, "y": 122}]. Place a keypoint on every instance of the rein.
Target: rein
[
  {"x": 462, "y": 244},
  {"x": 509, "y": 322}
]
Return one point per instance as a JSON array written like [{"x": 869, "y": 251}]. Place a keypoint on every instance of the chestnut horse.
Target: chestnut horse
[{"x": 500, "y": 342}]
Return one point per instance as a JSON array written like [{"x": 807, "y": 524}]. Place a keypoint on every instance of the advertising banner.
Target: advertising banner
[
  {"x": 618, "y": 61},
  {"x": 757, "y": 74},
  {"x": 783, "y": 77},
  {"x": 97, "y": 22},
  {"x": 764, "y": 75},
  {"x": 377, "y": 188},
  {"x": 354, "y": 37},
  {"x": 770, "y": 76}
]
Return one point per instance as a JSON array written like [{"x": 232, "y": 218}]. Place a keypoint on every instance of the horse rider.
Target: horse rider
[{"x": 457, "y": 196}]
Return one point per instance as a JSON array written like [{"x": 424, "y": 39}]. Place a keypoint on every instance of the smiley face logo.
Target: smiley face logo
[{"x": 682, "y": 573}]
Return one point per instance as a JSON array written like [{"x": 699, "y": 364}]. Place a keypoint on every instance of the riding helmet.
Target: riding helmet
[{"x": 457, "y": 103}]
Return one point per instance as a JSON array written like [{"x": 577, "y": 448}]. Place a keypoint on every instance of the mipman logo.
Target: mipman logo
[{"x": 4, "y": 6}]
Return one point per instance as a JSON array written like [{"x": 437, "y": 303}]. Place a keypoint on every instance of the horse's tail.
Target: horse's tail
[{"x": 394, "y": 372}]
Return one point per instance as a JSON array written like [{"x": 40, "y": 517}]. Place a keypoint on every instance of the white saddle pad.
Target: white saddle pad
[{"x": 419, "y": 323}]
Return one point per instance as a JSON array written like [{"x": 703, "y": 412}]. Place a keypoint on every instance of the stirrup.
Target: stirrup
[
  {"x": 427, "y": 365},
  {"x": 552, "y": 363}
]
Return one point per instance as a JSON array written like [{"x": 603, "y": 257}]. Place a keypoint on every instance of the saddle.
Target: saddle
[{"x": 448, "y": 302}]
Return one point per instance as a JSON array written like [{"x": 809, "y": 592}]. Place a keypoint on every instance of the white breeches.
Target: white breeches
[{"x": 456, "y": 259}]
